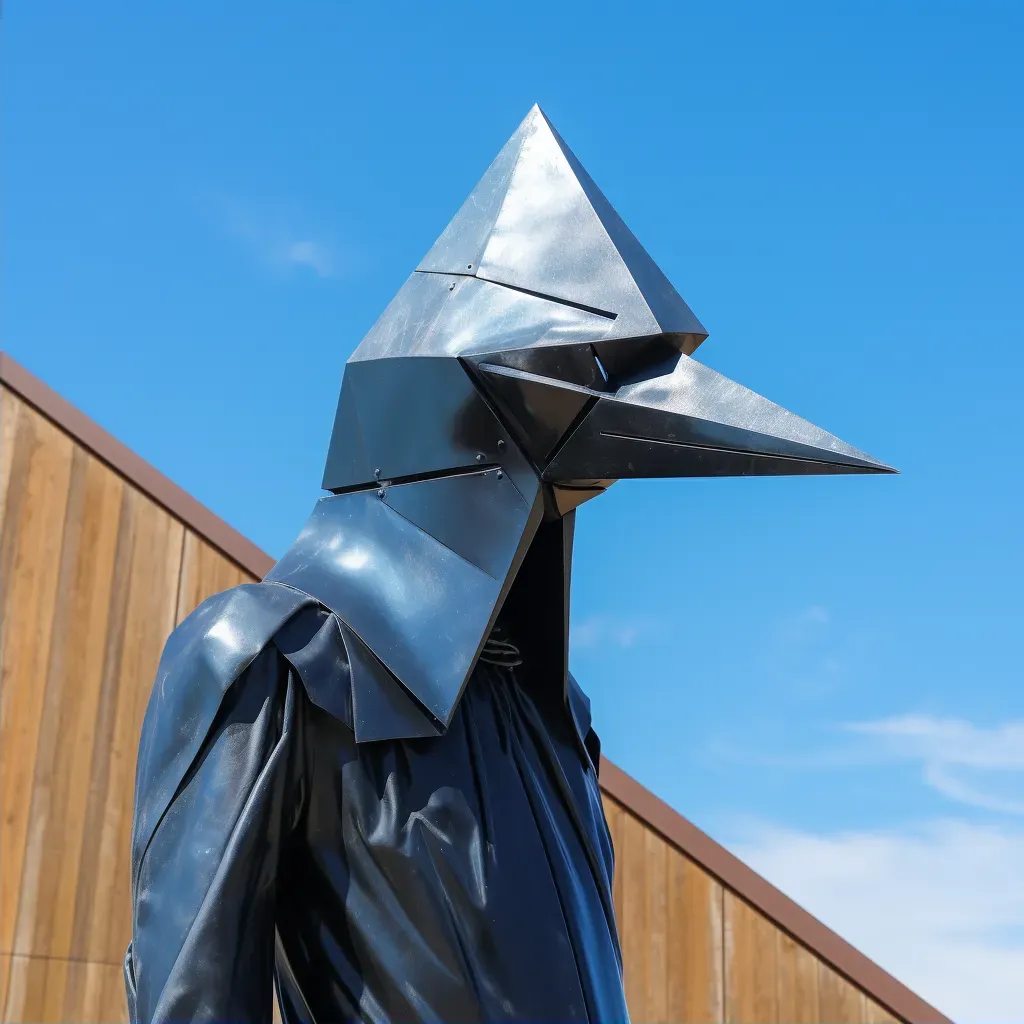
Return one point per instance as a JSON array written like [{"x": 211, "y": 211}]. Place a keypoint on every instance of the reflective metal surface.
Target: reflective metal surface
[
  {"x": 695, "y": 422},
  {"x": 537, "y": 221},
  {"x": 325, "y": 756},
  {"x": 423, "y": 608}
]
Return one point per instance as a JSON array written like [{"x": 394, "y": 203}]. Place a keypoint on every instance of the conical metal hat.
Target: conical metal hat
[{"x": 537, "y": 222}]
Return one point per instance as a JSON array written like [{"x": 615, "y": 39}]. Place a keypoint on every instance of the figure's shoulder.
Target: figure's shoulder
[
  {"x": 228, "y": 630},
  {"x": 204, "y": 655},
  {"x": 213, "y": 646}
]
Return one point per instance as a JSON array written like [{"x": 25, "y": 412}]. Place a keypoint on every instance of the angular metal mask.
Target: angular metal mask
[{"x": 536, "y": 355}]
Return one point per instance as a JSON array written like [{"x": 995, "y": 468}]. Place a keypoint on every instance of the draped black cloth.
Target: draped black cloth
[{"x": 465, "y": 877}]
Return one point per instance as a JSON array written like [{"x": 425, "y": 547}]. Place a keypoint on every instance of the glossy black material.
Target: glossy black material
[
  {"x": 379, "y": 754},
  {"x": 467, "y": 878}
]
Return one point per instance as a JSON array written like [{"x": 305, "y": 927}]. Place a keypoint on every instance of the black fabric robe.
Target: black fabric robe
[{"x": 465, "y": 877}]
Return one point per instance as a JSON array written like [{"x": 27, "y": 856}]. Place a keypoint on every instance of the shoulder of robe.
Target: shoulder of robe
[{"x": 204, "y": 655}]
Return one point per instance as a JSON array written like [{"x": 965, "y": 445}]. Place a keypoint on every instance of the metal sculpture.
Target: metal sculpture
[{"x": 372, "y": 776}]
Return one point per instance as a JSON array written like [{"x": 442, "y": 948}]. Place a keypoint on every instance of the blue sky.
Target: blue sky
[{"x": 206, "y": 207}]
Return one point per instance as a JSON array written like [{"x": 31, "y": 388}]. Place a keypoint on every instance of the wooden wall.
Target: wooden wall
[
  {"x": 94, "y": 575},
  {"x": 695, "y": 951}
]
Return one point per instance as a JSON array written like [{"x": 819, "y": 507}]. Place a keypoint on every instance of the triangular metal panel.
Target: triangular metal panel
[
  {"x": 575, "y": 364},
  {"x": 547, "y": 238},
  {"x": 480, "y": 516},
  {"x": 455, "y": 429},
  {"x": 381, "y": 708},
  {"x": 674, "y": 316},
  {"x": 421, "y": 608},
  {"x": 347, "y": 462},
  {"x": 537, "y": 221},
  {"x": 569, "y": 498},
  {"x": 540, "y": 410},
  {"x": 697, "y": 391},
  {"x": 461, "y": 244},
  {"x": 696, "y": 422}
]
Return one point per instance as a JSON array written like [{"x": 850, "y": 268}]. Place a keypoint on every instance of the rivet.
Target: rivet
[
  {"x": 501, "y": 444},
  {"x": 480, "y": 458},
  {"x": 451, "y": 287},
  {"x": 376, "y": 473},
  {"x": 380, "y": 493},
  {"x": 500, "y": 474},
  {"x": 469, "y": 266}
]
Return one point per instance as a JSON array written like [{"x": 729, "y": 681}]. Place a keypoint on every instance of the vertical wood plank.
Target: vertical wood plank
[
  {"x": 26, "y": 990},
  {"x": 613, "y": 814},
  {"x": 83, "y": 661},
  {"x": 113, "y": 1005},
  {"x": 66, "y": 732},
  {"x": 5, "y": 968},
  {"x": 204, "y": 572},
  {"x": 750, "y": 965},
  {"x": 797, "y": 982},
  {"x": 30, "y": 552},
  {"x": 86, "y": 989},
  {"x": 695, "y": 929},
  {"x": 33, "y": 904},
  {"x": 103, "y": 733},
  {"x": 839, "y": 1002},
  {"x": 633, "y": 929},
  {"x": 656, "y": 883},
  {"x": 53, "y": 990}
]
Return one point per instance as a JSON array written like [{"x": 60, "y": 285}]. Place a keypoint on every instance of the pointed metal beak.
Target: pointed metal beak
[{"x": 691, "y": 421}]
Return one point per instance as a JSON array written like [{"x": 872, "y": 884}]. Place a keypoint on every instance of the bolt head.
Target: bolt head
[{"x": 380, "y": 492}]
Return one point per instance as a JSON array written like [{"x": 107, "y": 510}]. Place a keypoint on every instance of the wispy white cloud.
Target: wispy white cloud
[
  {"x": 981, "y": 767},
  {"x": 609, "y": 630},
  {"x": 281, "y": 240},
  {"x": 941, "y": 906},
  {"x": 967, "y": 764},
  {"x": 949, "y": 740},
  {"x": 307, "y": 253}
]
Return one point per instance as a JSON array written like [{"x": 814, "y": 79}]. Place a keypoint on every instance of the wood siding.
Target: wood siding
[
  {"x": 694, "y": 951},
  {"x": 93, "y": 575}
]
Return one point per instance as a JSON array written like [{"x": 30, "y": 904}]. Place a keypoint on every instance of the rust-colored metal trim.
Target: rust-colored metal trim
[
  {"x": 137, "y": 471},
  {"x": 762, "y": 895},
  {"x": 682, "y": 834}
]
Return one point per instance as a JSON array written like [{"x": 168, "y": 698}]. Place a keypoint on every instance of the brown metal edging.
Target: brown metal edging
[
  {"x": 763, "y": 896},
  {"x": 135, "y": 470}
]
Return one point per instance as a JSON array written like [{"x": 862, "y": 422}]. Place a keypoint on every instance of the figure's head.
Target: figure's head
[
  {"x": 535, "y": 356},
  {"x": 538, "y": 336}
]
